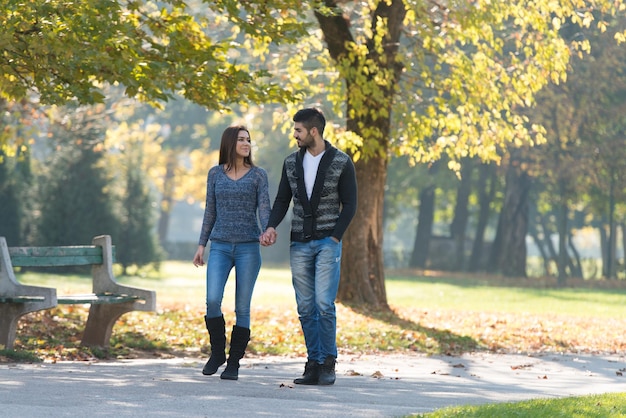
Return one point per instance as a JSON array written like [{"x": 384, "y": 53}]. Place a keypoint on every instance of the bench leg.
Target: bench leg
[
  {"x": 100, "y": 323},
  {"x": 9, "y": 316}
]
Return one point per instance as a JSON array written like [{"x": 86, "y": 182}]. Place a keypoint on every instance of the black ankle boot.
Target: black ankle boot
[
  {"x": 238, "y": 342},
  {"x": 217, "y": 335},
  {"x": 311, "y": 374},
  {"x": 327, "y": 371}
]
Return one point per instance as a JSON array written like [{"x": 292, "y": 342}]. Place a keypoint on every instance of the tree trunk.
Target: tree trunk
[
  {"x": 362, "y": 269},
  {"x": 612, "y": 243},
  {"x": 369, "y": 116},
  {"x": 604, "y": 249},
  {"x": 563, "y": 255},
  {"x": 486, "y": 191},
  {"x": 623, "y": 229},
  {"x": 575, "y": 266},
  {"x": 508, "y": 253},
  {"x": 542, "y": 251},
  {"x": 425, "y": 218},
  {"x": 461, "y": 214}
]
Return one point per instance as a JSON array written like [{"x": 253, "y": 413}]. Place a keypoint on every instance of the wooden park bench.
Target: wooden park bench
[{"x": 109, "y": 299}]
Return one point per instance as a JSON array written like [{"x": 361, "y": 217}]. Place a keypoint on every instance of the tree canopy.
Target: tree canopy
[{"x": 60, "y": 50}]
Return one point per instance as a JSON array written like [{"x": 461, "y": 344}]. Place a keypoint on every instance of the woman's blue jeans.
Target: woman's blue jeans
[
  {"x": 223, "y": 256},
  {"x": 315, "y": 270}
]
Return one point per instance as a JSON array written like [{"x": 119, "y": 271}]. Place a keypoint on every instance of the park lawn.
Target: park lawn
[
  {"x": 430, "y": 314},
  {"x": 592, "y": 406}
]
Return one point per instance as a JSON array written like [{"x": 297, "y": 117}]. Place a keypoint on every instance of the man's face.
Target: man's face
[{"x": 302, "y": 135}]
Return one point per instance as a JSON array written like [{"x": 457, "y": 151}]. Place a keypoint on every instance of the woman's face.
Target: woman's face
[{"x": 243, "y": 144}]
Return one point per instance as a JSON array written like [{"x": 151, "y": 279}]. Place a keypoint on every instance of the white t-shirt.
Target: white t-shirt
[{"x": 310, "y": 164}]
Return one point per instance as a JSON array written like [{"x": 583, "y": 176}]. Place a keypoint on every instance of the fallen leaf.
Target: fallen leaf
[
  {"x": 459, "y": 366},
  {"x": 522, "y": 366},
  {"x": 377, "y": 375}
]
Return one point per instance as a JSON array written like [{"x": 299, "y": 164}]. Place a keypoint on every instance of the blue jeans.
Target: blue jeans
[
  {"x": 223, "y": 256},
  {"x": 315, "y": 269}
]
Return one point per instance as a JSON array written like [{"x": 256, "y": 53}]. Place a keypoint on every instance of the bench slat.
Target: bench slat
[
  {"x": 72, "y": 250},
  {"x": 94, "y": 299},
  {"x": 82, "y": 255},
  {"x": 51, "y": 261},
  {"x": 21, "y": 299}
]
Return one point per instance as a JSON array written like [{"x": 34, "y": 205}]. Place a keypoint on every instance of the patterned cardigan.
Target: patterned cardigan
[{"x": 333, "y": 201}]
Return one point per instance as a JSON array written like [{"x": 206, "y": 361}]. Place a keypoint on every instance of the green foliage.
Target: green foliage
[
  {"x": 75, "y": 202},
  {"x": 20, "y": 355},
  {"x": 155, "y": 50},
  {"x": 426, "y": 82},
  {"x": 137, "y": 243},
  {"x": 15, "y": 174},
  {"x": 10, "y": 208}
]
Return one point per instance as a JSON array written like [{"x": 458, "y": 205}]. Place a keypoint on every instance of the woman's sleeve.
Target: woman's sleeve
[
  {"x": 209, "y": 210},
  {"x": 263, "y": 199}
]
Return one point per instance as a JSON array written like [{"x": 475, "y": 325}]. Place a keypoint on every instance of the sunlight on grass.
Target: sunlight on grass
[
  {"x": 593, "y": 406},
  {"x": 455, "y": 295}
]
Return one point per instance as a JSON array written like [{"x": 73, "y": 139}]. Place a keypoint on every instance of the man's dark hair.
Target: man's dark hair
[{"x": 310, "y": 118}]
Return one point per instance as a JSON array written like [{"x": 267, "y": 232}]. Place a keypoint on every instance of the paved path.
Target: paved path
[{"x": 367, "y": 386}]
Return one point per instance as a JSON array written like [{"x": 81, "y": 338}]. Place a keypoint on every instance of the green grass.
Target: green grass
[
  {"x": 592, "y": 406},
  {"x": 473, "y": 294},
  {"x": 180, "y": 282}
]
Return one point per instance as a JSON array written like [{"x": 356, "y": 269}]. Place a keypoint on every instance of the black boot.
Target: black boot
[
  {"x": 311, "y": 374},
  {"x": 238, "y": 342},
  {"x": 217, "y": 334},
  {"x": 327, "y": 371}
]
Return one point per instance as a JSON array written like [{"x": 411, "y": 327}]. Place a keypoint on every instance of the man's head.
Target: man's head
[{"x": 311, "y": 118}]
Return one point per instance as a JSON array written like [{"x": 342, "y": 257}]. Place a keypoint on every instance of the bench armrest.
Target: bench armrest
[{"x": 104, "y": 280}]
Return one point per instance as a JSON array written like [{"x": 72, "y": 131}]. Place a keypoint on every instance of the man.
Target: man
[{"x": 322, "y": 183}]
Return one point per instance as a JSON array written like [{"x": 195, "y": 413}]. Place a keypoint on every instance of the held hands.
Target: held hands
[{"x": 268, "y": 237}]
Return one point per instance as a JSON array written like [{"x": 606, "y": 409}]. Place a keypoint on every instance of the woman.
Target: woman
[{"x": 236, "y": 191}]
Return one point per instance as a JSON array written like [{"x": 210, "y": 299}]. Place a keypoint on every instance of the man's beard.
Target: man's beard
[{"x": 307, "y": 141}]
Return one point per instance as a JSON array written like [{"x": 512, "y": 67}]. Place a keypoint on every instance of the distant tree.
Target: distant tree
[
  {"x": 137, "y": 242},
  {"x": 75, "y": 203},
  {"x": 15, "y": 172},
  {"x": 10, "y": 220}
]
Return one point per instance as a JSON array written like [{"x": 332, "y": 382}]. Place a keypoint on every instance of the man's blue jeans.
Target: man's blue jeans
[
  {"x": 315, "y": 269},
  {"x": 223, "y": 256}
]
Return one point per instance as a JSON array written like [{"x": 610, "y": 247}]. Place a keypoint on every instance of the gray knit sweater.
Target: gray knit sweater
[{"x": 231, "y": 208}]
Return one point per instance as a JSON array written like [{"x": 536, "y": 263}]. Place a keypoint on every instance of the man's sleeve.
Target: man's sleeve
[
  {"x": 282, "y": 200},
  {"x": 348, "y": 197}
]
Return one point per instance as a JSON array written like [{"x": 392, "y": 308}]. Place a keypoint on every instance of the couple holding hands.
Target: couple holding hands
[{"x": 320, "y": 180}]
